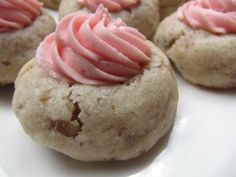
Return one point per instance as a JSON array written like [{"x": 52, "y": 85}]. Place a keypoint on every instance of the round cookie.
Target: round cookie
[
  {"x": 18, "y": 47},
  {"x": 202, "y": 57},
  {"x": 53, "y": 4},
  {"x": 145, "y": 17},
  {"x": 98, "y": 123}
]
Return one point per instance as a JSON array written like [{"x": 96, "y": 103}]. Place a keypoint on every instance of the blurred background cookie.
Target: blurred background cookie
[
  {"x": 21, "y": 31},
  {"x": 200, "y": 40},
  {"x": 140, "y": 14}
]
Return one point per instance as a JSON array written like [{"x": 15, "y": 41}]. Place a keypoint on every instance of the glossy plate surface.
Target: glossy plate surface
[{"x": 202, "y": 143}]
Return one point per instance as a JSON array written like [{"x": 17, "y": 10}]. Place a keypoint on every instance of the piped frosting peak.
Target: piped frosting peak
[{"x": 94, "y": 49}]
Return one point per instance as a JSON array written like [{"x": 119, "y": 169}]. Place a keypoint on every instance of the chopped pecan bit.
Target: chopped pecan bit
[
  {"x": 68, "y": 128},
  {"x": 44, "y": 99},
  {"x": 81, "y": 144},
  {"x": 75, "y": 114},
  {"x": 5, "y": 63},
  {"x": 65, "y": 128}
]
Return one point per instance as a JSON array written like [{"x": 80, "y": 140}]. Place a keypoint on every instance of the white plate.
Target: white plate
[{"x": 202, "y": 143}]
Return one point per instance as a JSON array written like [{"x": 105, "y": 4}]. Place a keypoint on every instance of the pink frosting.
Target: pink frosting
[
  {"x": 17, "y": 14},
  {"x": 93, "y": 49},
  {"x": 216, "y": 16},
  {"x": 111, "y": 5}
]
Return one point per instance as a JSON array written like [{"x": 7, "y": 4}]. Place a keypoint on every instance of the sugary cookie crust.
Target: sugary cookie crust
[{"x": 98, "y": 123}]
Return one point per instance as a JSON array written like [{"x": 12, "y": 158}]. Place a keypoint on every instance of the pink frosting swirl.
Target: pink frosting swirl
[
  {"x": 17, "y": 14},
  {"x": 216, "y": 16},
  {"x": 111, "y": 5},
  {"x": 93, "y": 49}
]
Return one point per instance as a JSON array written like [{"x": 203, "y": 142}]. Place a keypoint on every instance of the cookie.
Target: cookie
[
  {"x": 202, "y": 56},
  {"x": 93, "y": 96},
  {"x": 20, "y": 39},
  {"x": 144, "y": 16}
]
